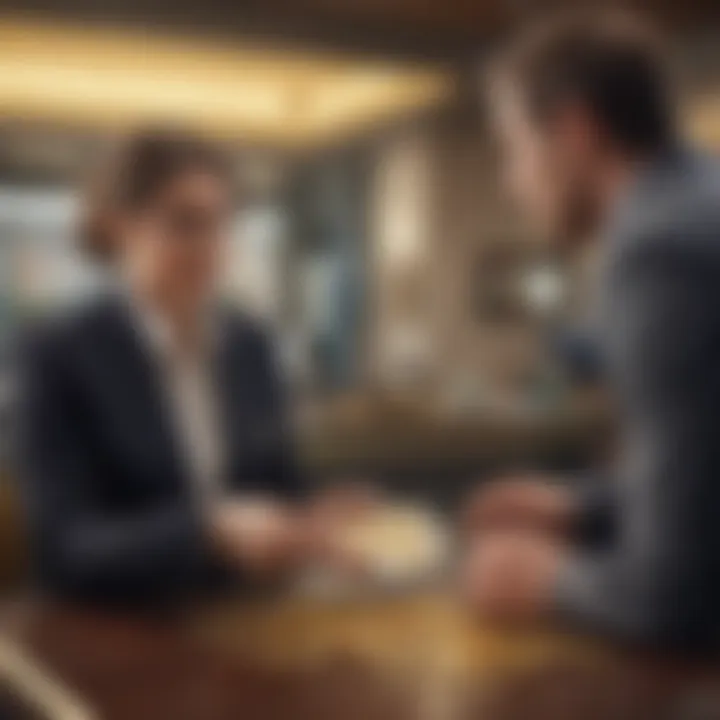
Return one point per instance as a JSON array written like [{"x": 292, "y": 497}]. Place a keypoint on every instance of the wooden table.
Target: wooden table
[{"x": 414, "y": 658}]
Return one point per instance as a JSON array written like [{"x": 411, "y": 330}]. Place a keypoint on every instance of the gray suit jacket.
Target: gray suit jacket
[{"x": 659, "y": 580}]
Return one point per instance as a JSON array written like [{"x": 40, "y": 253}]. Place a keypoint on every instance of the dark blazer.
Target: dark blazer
[
  {"x": 659, "y": 580},
  {"x": 109, "y": 500}
]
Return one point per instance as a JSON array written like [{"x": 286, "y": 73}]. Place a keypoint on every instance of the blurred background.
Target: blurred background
[{"x": 427, "y": 339}]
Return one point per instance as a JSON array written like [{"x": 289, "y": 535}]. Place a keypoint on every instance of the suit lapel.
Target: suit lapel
[{"x": 145, "y": 398}]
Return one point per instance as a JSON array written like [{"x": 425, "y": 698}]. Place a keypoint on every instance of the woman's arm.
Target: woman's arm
[{"x": 82, "y": 548}]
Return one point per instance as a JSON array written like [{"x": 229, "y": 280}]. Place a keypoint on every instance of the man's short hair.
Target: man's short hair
[{"x": 611, "y": 62}]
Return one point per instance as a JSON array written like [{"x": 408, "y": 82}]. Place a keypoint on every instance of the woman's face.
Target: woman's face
[{"x": 173, "y": 246}]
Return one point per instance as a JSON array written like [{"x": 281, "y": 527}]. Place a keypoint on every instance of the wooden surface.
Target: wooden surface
[{"x": 419, "y": 658}]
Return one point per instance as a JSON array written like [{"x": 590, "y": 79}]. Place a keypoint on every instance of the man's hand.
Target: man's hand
[
  {"x": 511, "y": 576},
  {"x": 520, "y": 504}
]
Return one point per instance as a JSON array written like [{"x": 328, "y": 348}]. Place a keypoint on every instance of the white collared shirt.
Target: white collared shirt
[{"x": 192, "y": 404}]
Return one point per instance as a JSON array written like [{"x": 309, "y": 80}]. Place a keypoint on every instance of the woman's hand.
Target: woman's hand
[
  {"x": 262, "y": 536},
  {"x": 269, "y": 537},
  {"x": 326, "y": 518},
  {"x": 344, "y": 502}
]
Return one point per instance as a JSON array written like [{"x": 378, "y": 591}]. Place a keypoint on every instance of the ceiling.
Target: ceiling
[
  {"x": 112, "y": 78},
  {"x": 284, "y": 73},
  {"x": 448, "y": 28}
]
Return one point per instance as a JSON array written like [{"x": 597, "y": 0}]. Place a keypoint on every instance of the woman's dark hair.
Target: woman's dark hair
[
  {"x": 133, "y": 175},
  {"x": 610, "y": 61}
]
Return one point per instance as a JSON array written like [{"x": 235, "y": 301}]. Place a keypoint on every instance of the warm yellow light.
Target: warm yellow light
[
  {"x": 80, "y": 75},
  {"x": 703, "y": 120}
]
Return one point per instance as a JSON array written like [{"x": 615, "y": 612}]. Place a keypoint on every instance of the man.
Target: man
[{"x": 587, "y": 125}]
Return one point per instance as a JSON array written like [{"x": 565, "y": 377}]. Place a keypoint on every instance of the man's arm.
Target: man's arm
[{"x": 657, "y": 584}]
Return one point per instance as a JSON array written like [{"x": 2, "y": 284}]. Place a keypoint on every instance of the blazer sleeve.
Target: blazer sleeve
[
  {"x": 657, "y": 583},
  {"x": 82, "y": 548}
]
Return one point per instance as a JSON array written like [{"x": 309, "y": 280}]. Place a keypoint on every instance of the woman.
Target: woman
[{"x": 153, "y": 446}]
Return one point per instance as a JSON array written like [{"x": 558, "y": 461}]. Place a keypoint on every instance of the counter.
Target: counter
[{"x": 420, "y": 657}]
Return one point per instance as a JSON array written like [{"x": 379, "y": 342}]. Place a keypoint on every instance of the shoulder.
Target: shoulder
[
  {"x": 63, "y": 334},
  {"x": 677, "y": 223},
  {"x": 251, "y": 348},
  {"x": 247, "y": 335},
  {"x": 241, "y": 326}
]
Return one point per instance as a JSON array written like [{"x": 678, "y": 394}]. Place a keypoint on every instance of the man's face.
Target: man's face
[{"x": 549, "y": 169}]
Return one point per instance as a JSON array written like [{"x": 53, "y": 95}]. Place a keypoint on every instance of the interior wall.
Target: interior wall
[{"x": 436, "y": 208}]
